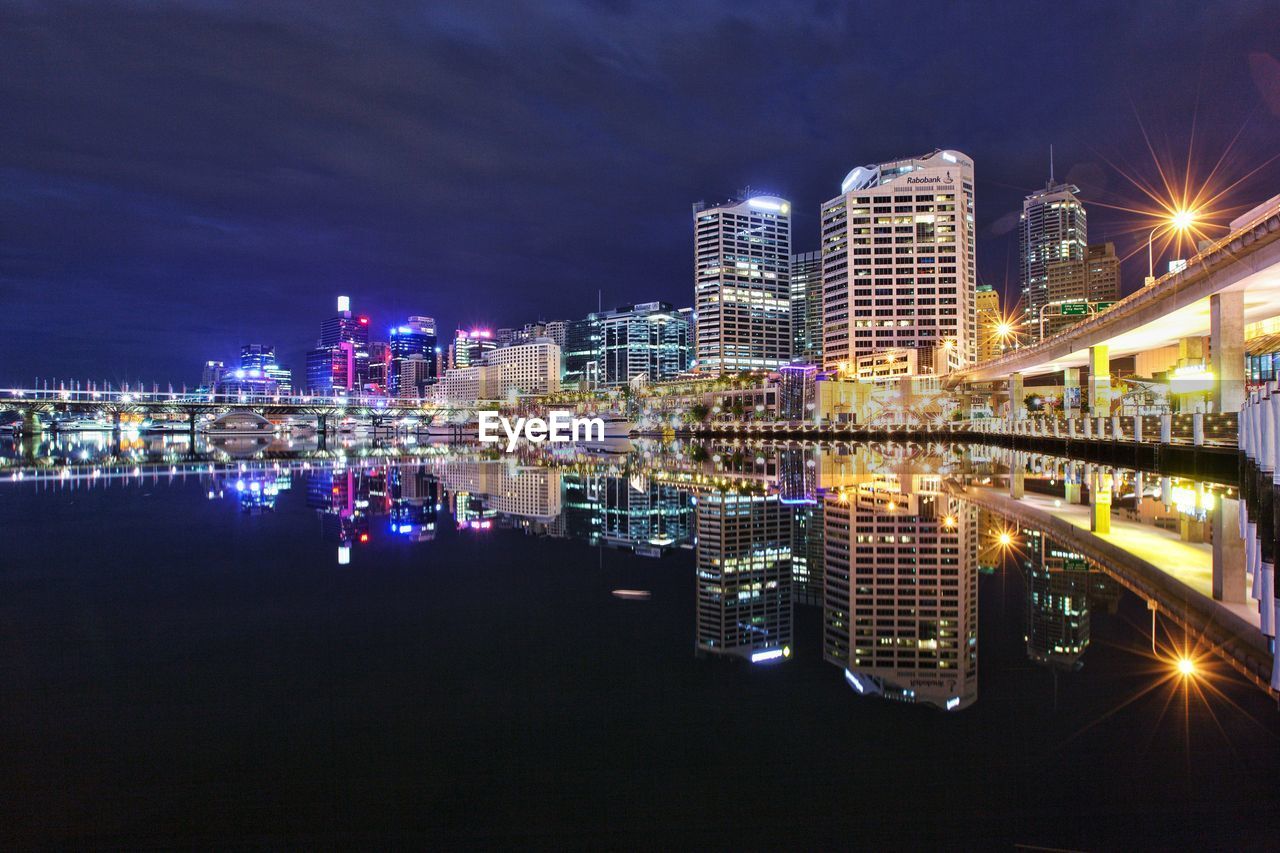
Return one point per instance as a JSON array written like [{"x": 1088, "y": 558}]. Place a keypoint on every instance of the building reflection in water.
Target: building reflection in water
[
  {"x": 744, "y": 576},
  {"x": 887, "y": 540},
  {"x": 901, "y": 596}
]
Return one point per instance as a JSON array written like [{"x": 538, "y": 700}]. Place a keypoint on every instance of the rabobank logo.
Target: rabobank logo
[{"x": 558, "y": 427}]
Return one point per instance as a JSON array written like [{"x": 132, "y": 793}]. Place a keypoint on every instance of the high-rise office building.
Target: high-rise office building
[
  {"x": 259, "y": 372},
  {"x": 532, "y": 368},
  {"x": 416, "y": 336},
  {"x": 1102, "y": 273},
  {"x": 806, "y": 308},
  {"x": 649, "y": 340},
  {"x": 1052, "y": 229},
  {"x": 582, "y": 342},
  {"x": 1094, "y": 279},
  {"x": 470, "y": 346},
  {"x": 212, "y": 375},
  {"x": 744, "y": 576},
  {"x": 898, "y": 262},
  {"x": 414, "y": 373},
  {"x": 380, "y": 367},
  {"x": 987, "y": 304},
  {"x": 742, "y": 290},
  {"x": 340, "y": 362}
]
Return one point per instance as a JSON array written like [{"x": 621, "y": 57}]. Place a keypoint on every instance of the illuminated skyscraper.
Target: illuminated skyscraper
[
  {"x": 416, "y": 336},
  {"x": 649, "y": 340},
  {"x": 989, "y": 319},
  {"x": 1052, "y": 229},
  {"x": 470, "y": 346},
  {"x": 806, "y": 308},
  {"x": 898, "y": 265},
  {"x": 742, "y": 287},
  {"x": 340, "y": 362}
]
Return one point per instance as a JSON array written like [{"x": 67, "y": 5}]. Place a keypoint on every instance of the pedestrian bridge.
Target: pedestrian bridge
[{"x": 1233, "y": 282}]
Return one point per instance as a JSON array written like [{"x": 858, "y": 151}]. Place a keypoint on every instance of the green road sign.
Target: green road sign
[{"x": 1075, "y": 308}]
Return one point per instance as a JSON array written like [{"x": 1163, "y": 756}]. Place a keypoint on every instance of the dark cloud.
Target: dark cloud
[{"x": 178, "y": 179}]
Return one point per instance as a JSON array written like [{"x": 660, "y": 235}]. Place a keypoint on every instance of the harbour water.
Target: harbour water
[{"x": 735, "y": 644}]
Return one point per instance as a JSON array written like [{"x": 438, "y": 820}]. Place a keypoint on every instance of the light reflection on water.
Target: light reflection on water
[{"x": 873, "y": 559}]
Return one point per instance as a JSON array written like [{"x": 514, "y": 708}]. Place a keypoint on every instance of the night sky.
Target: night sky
[{"x": 179, "y": 179}]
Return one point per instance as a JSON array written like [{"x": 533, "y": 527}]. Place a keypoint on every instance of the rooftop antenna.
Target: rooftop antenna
[{"x": 1050, "y": 162}]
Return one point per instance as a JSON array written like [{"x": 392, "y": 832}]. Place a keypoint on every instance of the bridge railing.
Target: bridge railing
[{"x": 125, "y": 398}]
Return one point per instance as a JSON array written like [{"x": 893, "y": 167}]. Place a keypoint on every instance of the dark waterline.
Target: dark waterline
[{"x": 177, "y": 670}]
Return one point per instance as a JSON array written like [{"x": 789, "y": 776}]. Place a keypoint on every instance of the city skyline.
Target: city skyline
[{"x": 258, "y": 193}]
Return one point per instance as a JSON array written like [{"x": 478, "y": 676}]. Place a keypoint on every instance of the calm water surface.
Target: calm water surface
[{"x": 434, "y": 652}]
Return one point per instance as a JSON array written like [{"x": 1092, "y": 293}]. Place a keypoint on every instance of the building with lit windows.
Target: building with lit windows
[
  {"x": 1052, "y": 229},
  {"x": 898, "y": 261},
  {"x": 258, "y": 374},
  {"x": 806, "y": 308},
  {"x": 1058, "y": 585},
  {"x": 743, "y": 558},
  {"x": 649, "y": 340},
  {"x": 900, "y": 611},
  {"x": 470, "y": 346},
  {"x": 532, "y": 368},
  {"x": 742, "y": 290},
  {"x": 339, "y": 365},
  {"x": 414, "y": 374},
  {"x": 416, "y": 336},
  {"x": 582, "y": 341},
  {"x": 380, "y": 367},
  {"x": 987, "y": 304}
]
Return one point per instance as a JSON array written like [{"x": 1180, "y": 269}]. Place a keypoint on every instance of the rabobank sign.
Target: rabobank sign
[{"x": 557, "y": 427}]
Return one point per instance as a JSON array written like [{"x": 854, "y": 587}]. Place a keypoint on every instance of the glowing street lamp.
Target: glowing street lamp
[
  {"x": 1186, "y": 667},
  {"x": 1179, "y": 221}
]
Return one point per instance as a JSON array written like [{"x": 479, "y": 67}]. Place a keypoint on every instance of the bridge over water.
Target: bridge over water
[
  {"x": 1231, "y": 283},
  {"x": 32, "y": 402}
]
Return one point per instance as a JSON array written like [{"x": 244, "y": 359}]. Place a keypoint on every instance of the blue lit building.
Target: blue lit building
[
  {"x": 417, "y": 336},
  {"x": 339, "y": 365}
]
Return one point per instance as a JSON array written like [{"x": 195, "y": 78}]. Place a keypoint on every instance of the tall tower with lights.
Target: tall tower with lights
[
  {"x": 1052, "y": 232},
  {"x": 898, "y": 263},
  {"x": 742, "y": 261}
]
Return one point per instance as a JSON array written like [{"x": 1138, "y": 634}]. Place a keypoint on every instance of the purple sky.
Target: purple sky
[{"x": 177, "y": 181}]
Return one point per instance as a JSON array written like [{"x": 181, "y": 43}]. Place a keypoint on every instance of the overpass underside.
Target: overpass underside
[{"x": 1195, "y": 317}]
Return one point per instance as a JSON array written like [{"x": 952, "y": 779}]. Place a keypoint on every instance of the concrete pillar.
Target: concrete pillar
[
  {"x": 1102, "y": 427},
  {"x": 1274, "y": 415},
  {"x": 1267, "y": 604},
  {"x": 1099, "y": 380},
  {"x": 1071, "y": 493},
  {"x": 1117, "y": 432},
  {"x": 1253, "y": 556},
  {"x": 1166, "y": 492},
  {"x": 1228, "y": 553},
  {"x": 31, "y": 425},
  {"x": 1100, "y": 503},
  {"x": 1017, "y": 409},
  {"x": 1267, "y": 457},
  {"x": 1226, "y": 349},
  {"x": 1071, "y": 427},
  {"x": 1197, "y": 428},
  {"x": 1166, "y": 428},
  {"x": 1137, "y": 428},
  {"x": 1071, "y": 392}
]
